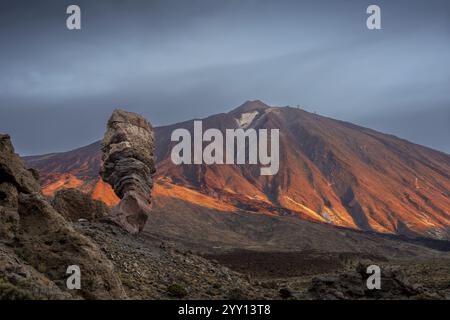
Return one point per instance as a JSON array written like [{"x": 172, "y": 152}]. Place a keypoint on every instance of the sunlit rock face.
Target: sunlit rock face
[{"x": 128, "y": 166}]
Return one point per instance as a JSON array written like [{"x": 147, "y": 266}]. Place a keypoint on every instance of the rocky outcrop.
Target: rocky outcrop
[
  {"x": 48, "y": 242},
  {"x": 12, "y": 170},
  {"x": 37, "y": 244},
  {"x": 128, "y": 166},
  {"x": 74, "y": 205},
  {"x": 14, "y": 179},
  {"x": 352, "y": 285}
]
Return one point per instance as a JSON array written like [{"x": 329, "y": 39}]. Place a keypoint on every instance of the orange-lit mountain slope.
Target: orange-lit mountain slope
[{"x": 330, "y": 171}]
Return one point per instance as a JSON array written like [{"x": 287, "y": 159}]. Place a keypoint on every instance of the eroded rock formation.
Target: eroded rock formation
[
  {"x": 128, "y": 166},
  {"x": 37, "y": 244}
]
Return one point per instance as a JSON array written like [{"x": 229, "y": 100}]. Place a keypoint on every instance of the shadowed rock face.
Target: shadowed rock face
[
  {"x": 13, "y": 170},
  {"x": 128, "y": 166},
  {"x": 74, "y": 205},
  {"x": 36, "y": 241}
]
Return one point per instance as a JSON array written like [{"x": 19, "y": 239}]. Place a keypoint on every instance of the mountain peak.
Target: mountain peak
[{"x": 250, "y": 106}]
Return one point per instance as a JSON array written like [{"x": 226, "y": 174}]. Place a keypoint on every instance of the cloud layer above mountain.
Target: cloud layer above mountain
[{"x": 176, "y": 60}]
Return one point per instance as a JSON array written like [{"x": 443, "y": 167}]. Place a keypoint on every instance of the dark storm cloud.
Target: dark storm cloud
[{"x": 176, "y": 60}]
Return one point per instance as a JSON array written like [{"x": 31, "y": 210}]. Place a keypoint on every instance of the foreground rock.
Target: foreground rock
[
  {"x": 128, "y": 166},
  {"x": 13, "y": 174},
  {"x": 151, "y": 269},
  {"x": 74, "y": 205},
  {"x": 37, "y": 244}
]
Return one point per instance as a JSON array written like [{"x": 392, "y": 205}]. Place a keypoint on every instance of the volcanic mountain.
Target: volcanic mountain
[{"x": 331, "y": 172}]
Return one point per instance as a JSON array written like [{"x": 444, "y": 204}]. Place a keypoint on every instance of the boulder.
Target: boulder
[
  {"x": 74, "y": 205},
  {"x": 128, "y": 166},
  {"x": 353, "y": 285},
  {"x": 13, "y": 170},
  {"x": 48, "y": 242},
  {"x": 33, "y": 235},
  {"x": 287, "y": 293}
]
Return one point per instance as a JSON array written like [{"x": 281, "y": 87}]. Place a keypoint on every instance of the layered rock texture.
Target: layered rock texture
[
  {"x": 128, "y": 166},
  {"x": 37, "y": 244}
]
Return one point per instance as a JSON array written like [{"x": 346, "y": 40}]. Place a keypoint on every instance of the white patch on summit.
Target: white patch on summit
[{"x": 246, "y": 119}]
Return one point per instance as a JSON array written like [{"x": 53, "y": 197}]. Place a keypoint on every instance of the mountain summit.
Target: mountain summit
[{"x": 250, "y": 106}]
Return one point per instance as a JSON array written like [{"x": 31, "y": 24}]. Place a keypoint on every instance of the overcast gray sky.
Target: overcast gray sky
[{"x": 177, "y": 60}]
